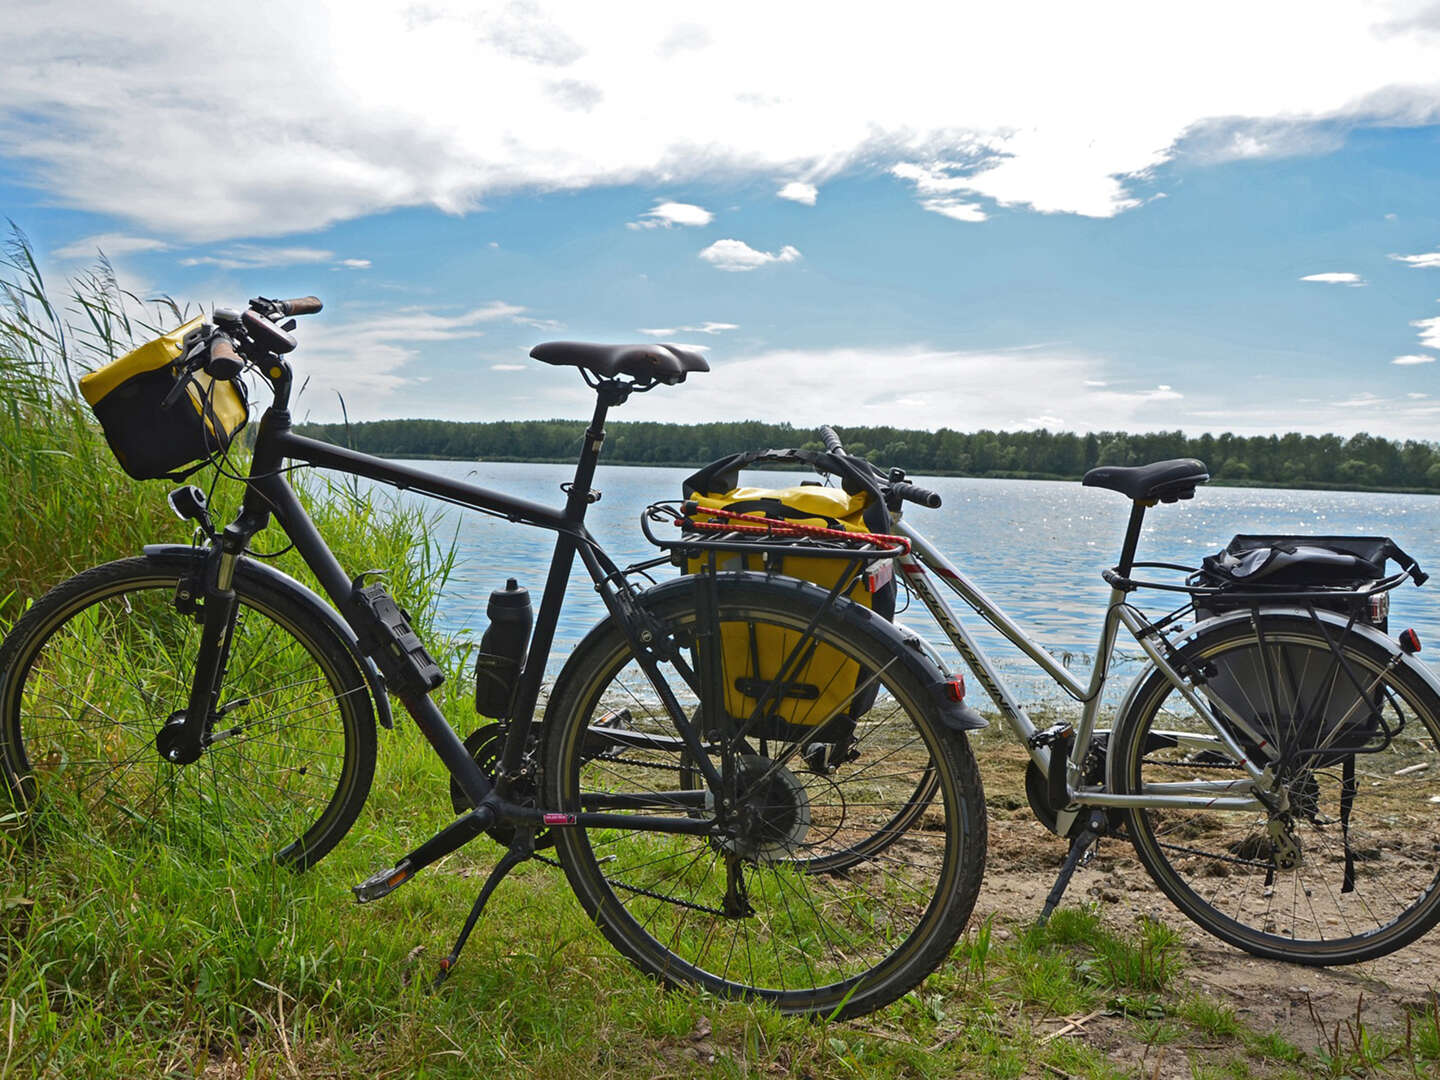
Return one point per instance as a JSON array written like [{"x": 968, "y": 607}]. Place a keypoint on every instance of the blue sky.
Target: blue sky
[{"x": 1212, "y": 217}]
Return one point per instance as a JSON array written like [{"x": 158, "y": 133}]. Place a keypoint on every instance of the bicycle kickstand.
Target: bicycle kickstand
[
  {"x": 1094, "y": 829},
  {"x": 521, "y": 849}
]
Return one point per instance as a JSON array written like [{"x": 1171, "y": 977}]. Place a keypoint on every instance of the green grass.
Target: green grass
[{"x": 142, "y": 956}]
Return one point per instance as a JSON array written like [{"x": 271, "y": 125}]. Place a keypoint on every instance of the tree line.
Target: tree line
[{"x": 1292, "y": 460}]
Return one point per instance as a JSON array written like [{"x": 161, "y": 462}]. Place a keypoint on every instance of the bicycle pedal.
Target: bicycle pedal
[{"x": 381, "y": 884}]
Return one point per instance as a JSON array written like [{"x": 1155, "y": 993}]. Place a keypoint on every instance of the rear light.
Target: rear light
[
  {"x": 1409, "y": 641},
  {"x": 1379, "y": 608},
  {"x": 955, "y": 688}
]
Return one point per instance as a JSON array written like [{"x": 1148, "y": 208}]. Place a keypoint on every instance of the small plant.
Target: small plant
[
  {"x": 1350, "y": 1046},
  {"x": 1209, "y": 1016},
  {"x": 1147, "y": 964},
  {"x": 1422, "y": 1031}
]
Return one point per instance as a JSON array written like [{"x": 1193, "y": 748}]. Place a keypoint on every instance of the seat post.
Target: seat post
[
  {"x": 608, "y": 393},
  {"x": 1132, "y": 536}
]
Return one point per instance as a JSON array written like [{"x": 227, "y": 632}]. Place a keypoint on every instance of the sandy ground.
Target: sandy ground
[{"x": 1293, "y": 1000}]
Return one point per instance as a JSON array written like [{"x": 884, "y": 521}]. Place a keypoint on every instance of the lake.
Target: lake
[{"x": 1036, "y": 547}]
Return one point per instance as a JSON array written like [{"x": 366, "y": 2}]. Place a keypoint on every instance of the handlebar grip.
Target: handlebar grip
[
  {"x": 224, "y": 362},
  {"x": 831, "y": 440},
  {"x": 303, "y": 305},
  {"x": 916, "y": 494}
]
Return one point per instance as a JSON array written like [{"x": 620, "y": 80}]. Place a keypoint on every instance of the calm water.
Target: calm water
[{"x": 1035, "y": 547}]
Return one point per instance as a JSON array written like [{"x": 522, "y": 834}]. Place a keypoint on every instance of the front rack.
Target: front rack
[{"x": 750, "y": 534}]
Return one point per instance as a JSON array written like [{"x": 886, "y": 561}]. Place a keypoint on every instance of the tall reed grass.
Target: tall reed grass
[{"x": 67, "y": 505}]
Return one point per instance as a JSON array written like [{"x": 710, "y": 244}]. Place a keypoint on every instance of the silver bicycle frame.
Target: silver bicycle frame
[{"x": 1196, "y": 795}]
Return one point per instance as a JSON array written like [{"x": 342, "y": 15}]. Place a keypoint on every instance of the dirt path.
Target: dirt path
[{"x": 1268, "y": 995}]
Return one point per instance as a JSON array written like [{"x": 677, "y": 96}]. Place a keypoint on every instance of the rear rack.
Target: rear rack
[
  {"x": 1254, "y": 594},
  {"x": 752, "y": 534}
]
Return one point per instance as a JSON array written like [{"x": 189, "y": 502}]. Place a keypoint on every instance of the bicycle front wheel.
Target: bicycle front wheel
[
  {"x": 853, "y": 847},
  {"x": 94, "y": 670},
  {"x": 1362, "y": 829}
]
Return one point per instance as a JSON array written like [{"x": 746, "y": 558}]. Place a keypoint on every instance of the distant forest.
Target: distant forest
[{"x": 1293, "y": 460}]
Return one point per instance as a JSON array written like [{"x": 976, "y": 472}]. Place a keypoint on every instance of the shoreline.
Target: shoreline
[{"x": 993, "y": 475}]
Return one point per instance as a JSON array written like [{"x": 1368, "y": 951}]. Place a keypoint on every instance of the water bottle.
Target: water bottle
[{"x": 502, "y": 650}]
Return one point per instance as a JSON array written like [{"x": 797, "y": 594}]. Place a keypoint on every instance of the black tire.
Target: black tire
[
  {"x": 1220, "y": 867},
  {"x": 846, "y": 918},
  {"x": 95, "y": 668}
]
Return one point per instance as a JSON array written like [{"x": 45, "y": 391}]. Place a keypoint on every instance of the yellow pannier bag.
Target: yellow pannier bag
[
  {"x": 825, "y": 686},
  {"x": 148, "y": 440}
]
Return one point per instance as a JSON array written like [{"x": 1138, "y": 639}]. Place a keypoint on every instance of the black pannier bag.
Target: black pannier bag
[
  {"x": 1321, "y": 572},
  {"x": 150, "y": 440},
  {"x": 1328, "y": 570}
]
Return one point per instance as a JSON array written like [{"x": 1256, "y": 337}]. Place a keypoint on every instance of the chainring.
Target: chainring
[{"x": 485, "y": 745}]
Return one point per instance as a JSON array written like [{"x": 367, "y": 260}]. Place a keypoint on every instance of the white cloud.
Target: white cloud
[
  {"x": 109, "y": 244},
  {"x": 1429, "y": 332},
  {"x": 110, "y": 117},
  {"x": 935, "y": 183},
  {"x": 665, "y": 215},
  {"x": 1415, "y": 396},
  {"x": 799, "y": 191},
  {"x": 364, "y": 359},
  {"x": 737, "y": 255},
  {"x": 255, "y": 257},
  {"x": 507, "y": 367},
  {"x": 259, "y": 257},
  {"x": 701, "y": 328},
  {"x": 1430, "y": 260},
  {"x": 1335, "y": 278},
  {"x": 941, "y": 388},
  {"x": 1413, "y": 358}
]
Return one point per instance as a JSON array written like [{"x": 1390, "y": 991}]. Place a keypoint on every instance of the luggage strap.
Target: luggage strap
[{"x": 733, "y": 522}]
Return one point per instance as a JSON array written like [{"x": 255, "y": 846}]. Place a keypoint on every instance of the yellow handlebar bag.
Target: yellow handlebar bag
[{"x": 151, "y": 441}]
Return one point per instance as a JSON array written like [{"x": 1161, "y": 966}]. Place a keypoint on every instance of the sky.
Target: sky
[{"x": 1128, "y": 216}]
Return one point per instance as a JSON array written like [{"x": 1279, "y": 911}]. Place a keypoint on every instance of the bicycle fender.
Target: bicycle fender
[
  {"x": 955, "y": 715},
  {"x": 1221, "y": 622},
  {"x": 1340, "y": 623},
  {"x": 304, "y": 595}
]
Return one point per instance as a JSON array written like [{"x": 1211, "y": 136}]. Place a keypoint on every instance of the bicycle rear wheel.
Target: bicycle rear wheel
[
  {"x": 827, "y": 888},
  {"x": 95, "y": 669},
  {"x": 1366, "y": 825}
]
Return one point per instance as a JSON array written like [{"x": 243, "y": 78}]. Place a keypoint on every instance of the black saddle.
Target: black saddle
[
  {"x": 667, "y": 364},
  {"x": 1164, "y": 481}
]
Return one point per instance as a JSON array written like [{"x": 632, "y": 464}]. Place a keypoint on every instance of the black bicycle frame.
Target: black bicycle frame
[{"x": 268, "y": 493}]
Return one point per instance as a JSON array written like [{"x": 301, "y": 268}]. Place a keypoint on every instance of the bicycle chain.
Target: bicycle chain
[
  {"x": 1213, "y": 855},
  {"x": 637, "y": 764},
  {"x": 1171, "y": 764},
  {"x": 644, "y": 892}
]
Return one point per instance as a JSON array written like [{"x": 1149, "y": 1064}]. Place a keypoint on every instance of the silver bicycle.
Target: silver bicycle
[{"x": 1276, "y": 764}]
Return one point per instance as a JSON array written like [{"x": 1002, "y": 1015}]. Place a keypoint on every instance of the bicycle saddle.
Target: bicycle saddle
[
  {"x": 1163, "y": 480},
  {"x": 646, "y": 363}
]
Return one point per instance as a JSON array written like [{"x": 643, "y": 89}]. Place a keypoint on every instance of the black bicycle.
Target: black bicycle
[{"x": 198, "y": 694}]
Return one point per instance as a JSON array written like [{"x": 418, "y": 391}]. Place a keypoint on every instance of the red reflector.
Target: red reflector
[
  {"x": 1409, "y": 641},
  {"x": 955, "y": 688}
]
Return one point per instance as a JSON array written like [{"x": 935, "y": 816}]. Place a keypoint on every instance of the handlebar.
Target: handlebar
[{"x": 895, "y": 489}]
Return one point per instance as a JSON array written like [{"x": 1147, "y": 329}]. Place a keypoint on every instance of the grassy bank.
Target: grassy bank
[{"x": 139, "y": 957}]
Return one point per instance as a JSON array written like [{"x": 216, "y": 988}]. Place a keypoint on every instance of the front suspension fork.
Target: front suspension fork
[{"x": 184, "y": 736}]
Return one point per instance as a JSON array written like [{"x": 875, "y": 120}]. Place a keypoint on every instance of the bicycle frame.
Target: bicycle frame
[
  {"x": 268, "y": 493},
  {"x": 1199, "y": 794}
]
